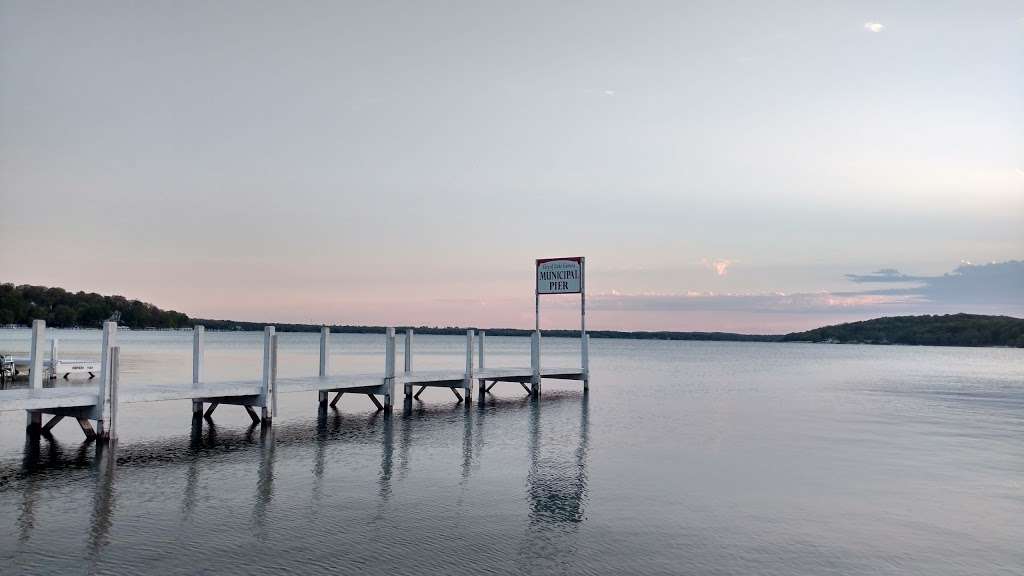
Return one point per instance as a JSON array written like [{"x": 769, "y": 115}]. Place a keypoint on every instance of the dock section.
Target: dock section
[{"x": 100, "y": 403}]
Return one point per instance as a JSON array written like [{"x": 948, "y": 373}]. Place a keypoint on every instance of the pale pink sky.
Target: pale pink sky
[{"x": 720, "y": 168}]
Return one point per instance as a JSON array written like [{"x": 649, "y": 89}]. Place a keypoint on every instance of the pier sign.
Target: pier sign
[{"x": 560, "y": 275}]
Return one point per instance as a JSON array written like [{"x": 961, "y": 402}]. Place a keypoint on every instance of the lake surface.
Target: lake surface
[{"x": 684, "y": 458}]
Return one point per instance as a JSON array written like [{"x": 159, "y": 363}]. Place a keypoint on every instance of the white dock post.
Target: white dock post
[
  {"x": 408, "y": 349},
  {"x": 480, "y": 350},
  {"x": 103, "y": 391},
  {"x": 467, "y": 383},
  {"x": 35, "y": 367},
  {"x": 54, "y": 357},
  {"x": 267, "y": 414},
  {"x": 407, "y": 388},
  {"x": 535, "y": 363},
  {"x": 389, "y": 369},
  {"x": 325, "y": 353},
  {"x": 585, "y": 351},
  {"x": 480, "y": 361},
  {"x": 198, "y": 345},
  {"x": 115, "y": 378},
  {"x": 273, "y": 374}
]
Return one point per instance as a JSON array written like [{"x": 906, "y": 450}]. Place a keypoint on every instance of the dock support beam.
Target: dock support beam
[
  {"x": 198, "y": 343},
  {"x": 110, "y": 433},
  {"x": 269, "y": 369},
  {"x": 467, "y": 383},
  {"x": 35, "y": 419},
  {"x": 388, "y": 388},
  {"x": 325, "y": 354},
  {"x": 535, "y": 363},
  {"x": 407, "y": 388},
  {"x": 480, "y": 362},
  {"x": 102, "y": 410},
  {"x": 585, "y": 352}
]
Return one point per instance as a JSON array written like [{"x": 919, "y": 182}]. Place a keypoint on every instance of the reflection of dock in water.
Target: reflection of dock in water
[
  {"x": 320, "y": 456},
  {"x": 557, "y": 482}
]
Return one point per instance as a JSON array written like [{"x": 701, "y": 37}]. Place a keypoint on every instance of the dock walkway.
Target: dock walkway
[{"x": 100, "y": 402}]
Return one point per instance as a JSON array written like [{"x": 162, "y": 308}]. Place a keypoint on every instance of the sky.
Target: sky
[{"x": 737, "y": 166}]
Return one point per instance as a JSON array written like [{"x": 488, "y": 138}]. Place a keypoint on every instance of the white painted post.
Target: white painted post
[
  {"x": 325, "y": 350},
  {"x": 268, "y": 335},
  {"x": 480, "y": 350},
  {"x": 389, "y": 369},
  {"x": 408, "y": 350},
  {"x": 535, "y": 363},
  {"x": 115, "y": 378},
  {"x": 34, "y": 420},
  {"x": 54, "y": 357},
  {"x": 35, "y": 367},
  {"x": 467, "y": 383},
  {"x": 325, "y": 354},
  {"x": 273, "y": 375},
  {"x": 103, "y": 391},
  {"x": 586, "y": 362},
  {"x": 407, "y": 388},
  {"x": 480, "y": 362},
  {"x": 198, "y": 345}
]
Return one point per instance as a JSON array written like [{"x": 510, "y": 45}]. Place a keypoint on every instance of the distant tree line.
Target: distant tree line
[
  {"x": 63, "y": 309},
  {"x": 944, "y": 330}
]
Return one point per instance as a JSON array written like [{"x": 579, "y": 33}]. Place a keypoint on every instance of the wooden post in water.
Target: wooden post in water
[
  {"x": 535, "y": 363},
  {"x": 480, "y": 350},
  {"x": 110, "y": 434},
  {"x": 389, "y": 370},
  {"x": 467, "y": 383},
  {"x": 35, "y": 370},
  {"x": 585, "y": 350},
  {"x": 273, "y": 374},
  {"x": 407, "y": 388},
  {"x": 267, "y": 409},
  {"x": 54, "y": 357},
  {"x": 325, "y": 352},
  {"x": 103, "y": 391},
  {"x": 198, "y": 343},
  {"x": 480, "y": 362}
]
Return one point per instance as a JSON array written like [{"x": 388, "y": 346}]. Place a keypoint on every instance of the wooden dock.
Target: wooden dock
[{"x": 101, "y": 403}]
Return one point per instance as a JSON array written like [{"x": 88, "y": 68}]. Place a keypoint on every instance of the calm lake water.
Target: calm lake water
[{"x": 684, "y": 458}]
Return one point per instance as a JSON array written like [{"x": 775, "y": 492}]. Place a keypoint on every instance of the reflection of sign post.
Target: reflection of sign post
[{"x": 562, "y": 276}]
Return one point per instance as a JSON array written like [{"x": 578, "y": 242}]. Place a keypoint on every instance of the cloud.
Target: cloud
[
  {"x": 609, "y": 92},
  {"x": 996, "y": 288},
  {"x": 719, "y": 265},
  {"x": 883, "y": 275},
  {"x": 874, "y": 26},
  {"x": 997, "y": 284}
]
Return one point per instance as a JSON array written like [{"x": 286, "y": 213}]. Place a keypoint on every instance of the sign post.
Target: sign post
[{"x": 564, "y": 276}]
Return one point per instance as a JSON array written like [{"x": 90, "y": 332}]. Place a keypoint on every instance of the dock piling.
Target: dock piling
[
  {"x": 388, "y": 388},
  {"x": 273, "y": 375},
  {"x": 267, "y": 408},
  {"x": 535, "y": 363},
  {"x": 35, "y": 419},
  {"x": 198, "y": 343},
  {"x": 585, "y": 365},
  {"x": 110, "y": 434},
  {"x": 103, "y": 397},
  {"x": 325, "y": 343},
  {"x": 480, "y": 362},
  {"x": 467, "y": 384},
  {"x": 407, "y": 388}
]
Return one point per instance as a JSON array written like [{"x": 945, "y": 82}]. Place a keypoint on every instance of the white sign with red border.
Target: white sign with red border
[{"x": 560, "y": 275}]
